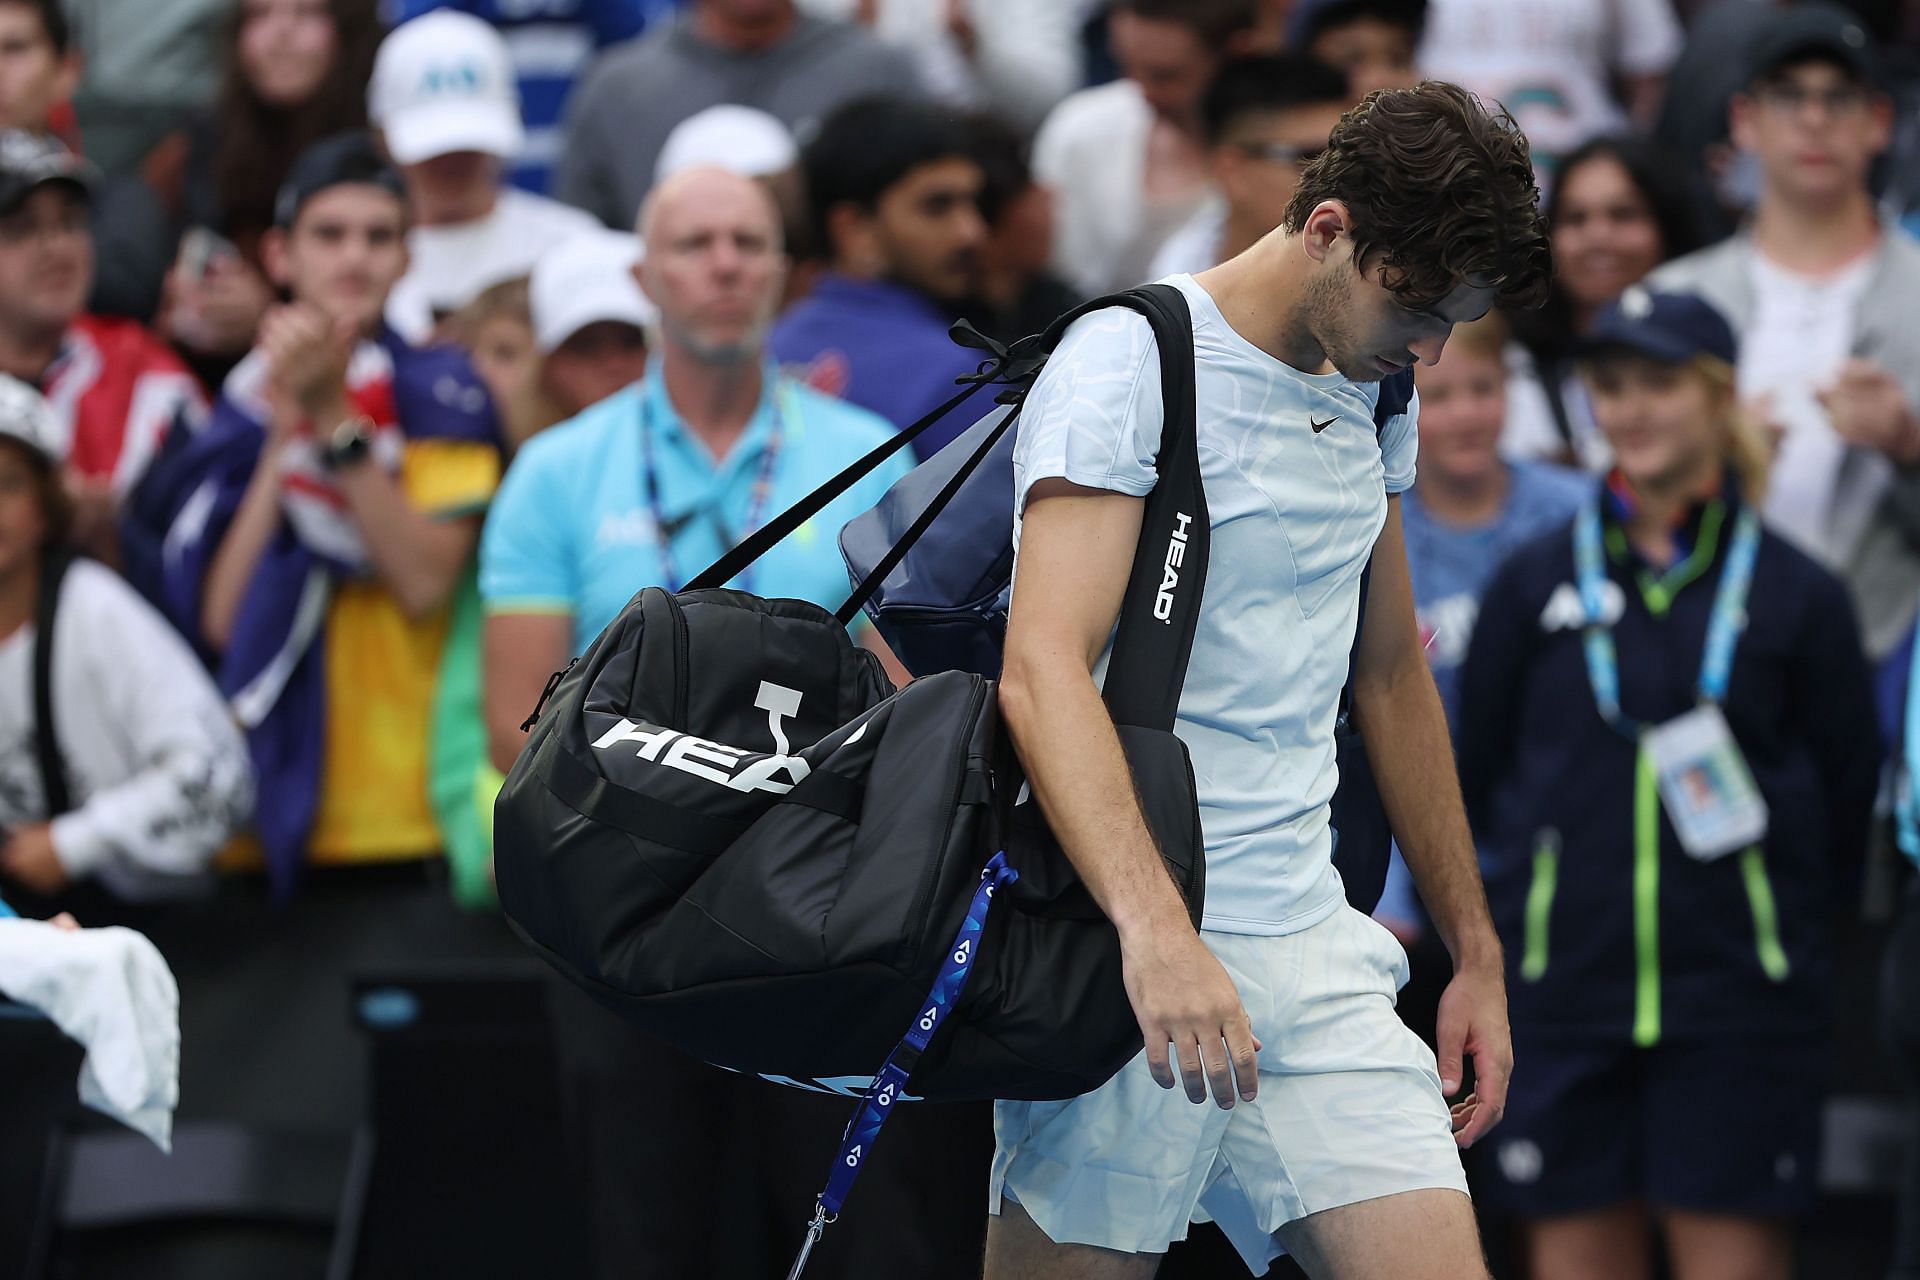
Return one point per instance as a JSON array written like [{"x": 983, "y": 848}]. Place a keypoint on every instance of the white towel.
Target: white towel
[{"x": 110, "y": 990}]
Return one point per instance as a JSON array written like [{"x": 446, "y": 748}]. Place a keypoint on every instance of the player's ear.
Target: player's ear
[{"x": 1329, "y": 222}]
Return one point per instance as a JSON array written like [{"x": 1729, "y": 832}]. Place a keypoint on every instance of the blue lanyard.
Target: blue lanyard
[
  {"x": 1907, "y": 804},
  {"x": 864, "y": 1129},
  {"x": 664, "y": 530},
  {"x": 1723, "y": 631}
]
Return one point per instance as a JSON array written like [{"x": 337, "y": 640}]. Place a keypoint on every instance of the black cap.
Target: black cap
[
  {"x": 1806, "y": 31},
  {"x": 29, "y": 161},
  {"x": 1672, "y": 328},
  {"x": 1311, "y": 17},
  {"x": 345, "y": 159}
]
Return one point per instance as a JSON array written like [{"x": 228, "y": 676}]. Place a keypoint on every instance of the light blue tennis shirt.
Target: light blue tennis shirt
[
  {"x": 575, "y": 526},
  {"x": 1294, "y": 509}
]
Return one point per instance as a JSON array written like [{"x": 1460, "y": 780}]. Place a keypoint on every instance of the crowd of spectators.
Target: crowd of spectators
[{"x": 359, "y": 362}]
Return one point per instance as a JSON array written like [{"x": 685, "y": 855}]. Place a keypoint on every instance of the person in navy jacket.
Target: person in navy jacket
[{"x": 1669, "y": 995}]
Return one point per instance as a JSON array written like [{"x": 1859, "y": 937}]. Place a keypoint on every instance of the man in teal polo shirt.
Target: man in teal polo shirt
[
  {"x": 654, "y": 483},
  {"x": 709, "y": 446}
]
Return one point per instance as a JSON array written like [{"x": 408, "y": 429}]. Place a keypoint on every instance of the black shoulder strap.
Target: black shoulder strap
[
  {"x": 46, "y": 739},
  {"x": 1396, "y": 396},
  {"x": 1161, "y": 609}
]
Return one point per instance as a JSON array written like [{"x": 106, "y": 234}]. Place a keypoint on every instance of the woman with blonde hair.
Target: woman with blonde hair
[{"x": 1668, "y": 750}]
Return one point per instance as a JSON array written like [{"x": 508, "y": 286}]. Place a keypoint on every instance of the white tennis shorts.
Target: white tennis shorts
[{"x": 1349, "y": 1109}]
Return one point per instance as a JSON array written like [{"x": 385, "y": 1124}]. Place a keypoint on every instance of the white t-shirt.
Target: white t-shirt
[
  {"x": 452, "y": 264},
  {"x": 1549, "y": 61},
  {"x": 1801, "y": 333},
  {"x": 1195, "y": 247},
  {"x": 157, "y": 773},
  {"x": 1092, "y": 153},
  {"x": 1294, "y": 515}
]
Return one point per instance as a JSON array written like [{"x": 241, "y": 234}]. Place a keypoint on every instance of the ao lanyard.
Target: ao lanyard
[
  {"x": 1723, "y": 630},
  {"x": 664, "y": 530}
]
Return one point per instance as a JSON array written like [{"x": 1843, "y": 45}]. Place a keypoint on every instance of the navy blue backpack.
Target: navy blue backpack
[{"x": 947, "y": 531}]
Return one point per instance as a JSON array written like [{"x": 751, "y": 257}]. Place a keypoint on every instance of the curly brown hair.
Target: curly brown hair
[{"x": 1441, "y": 194}]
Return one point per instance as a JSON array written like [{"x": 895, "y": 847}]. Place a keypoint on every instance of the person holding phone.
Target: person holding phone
[{"x": 1668, "y": 751}]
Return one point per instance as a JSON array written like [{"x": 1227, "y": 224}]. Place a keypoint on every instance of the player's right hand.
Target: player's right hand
[{"x": 1189, "y": 1013}]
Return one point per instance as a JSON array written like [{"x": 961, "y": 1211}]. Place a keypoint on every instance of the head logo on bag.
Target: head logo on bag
[{"x": 1170, "y": 572}]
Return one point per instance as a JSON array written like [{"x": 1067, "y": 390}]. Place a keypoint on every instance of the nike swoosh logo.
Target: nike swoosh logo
[{"x": 1318, "y": 427}]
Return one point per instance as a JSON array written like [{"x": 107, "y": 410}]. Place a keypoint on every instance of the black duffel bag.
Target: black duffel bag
[{"x": 728, "y": 827}]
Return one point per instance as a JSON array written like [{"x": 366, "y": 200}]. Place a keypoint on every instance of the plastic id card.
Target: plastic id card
[{"x": 1708, "y": 791}]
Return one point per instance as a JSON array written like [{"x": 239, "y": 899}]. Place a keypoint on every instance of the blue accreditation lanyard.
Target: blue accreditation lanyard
[
  {"x": 1723, "y": 630},
  {"x": 888, "y": 1087},
  {"x": 665, "y": 530}
]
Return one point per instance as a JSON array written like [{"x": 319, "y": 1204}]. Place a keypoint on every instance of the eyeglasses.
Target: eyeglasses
[
  {"x": 1281, "y": 152},
  {"x": 1792, "y": 99}
]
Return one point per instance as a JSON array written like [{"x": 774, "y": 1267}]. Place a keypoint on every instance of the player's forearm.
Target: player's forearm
[
  {"x": 1405, "y": 730},
  {"x": 1081, "y": 779},
  {"x": 244, "y": 542}
]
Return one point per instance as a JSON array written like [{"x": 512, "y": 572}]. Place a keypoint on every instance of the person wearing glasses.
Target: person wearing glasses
[
  {"x": 1264, "y": 118},
  {"x": 1821, "y": 293},
  {"x": 1668, "y": 752}
]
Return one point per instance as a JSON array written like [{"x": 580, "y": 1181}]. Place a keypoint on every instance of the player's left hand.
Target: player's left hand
[
  {"x": 1868, "y": 408},
  {"x": 1473, "y": 1021}
]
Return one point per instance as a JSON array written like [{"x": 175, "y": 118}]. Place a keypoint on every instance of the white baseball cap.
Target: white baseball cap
[
  {"x": 26, "y": 416},
  {"x": 738, "y": 139},
  {"x": 443, "y": 83},
  {"x": 585, "y": 279}
]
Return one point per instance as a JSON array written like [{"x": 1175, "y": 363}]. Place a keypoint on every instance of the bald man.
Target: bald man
[{"x": 695, "y": 1172}]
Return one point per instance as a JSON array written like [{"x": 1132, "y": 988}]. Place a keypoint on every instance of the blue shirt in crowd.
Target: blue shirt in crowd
[
  {"x": 574, "y": 527},
  {"x": 880, "y": 345},
  {"x": 1450, "y": 567},
  {"x": 550, "y": 43}
]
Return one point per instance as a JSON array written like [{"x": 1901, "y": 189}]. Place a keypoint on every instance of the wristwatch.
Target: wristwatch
[{"x": 350, "y": 443}]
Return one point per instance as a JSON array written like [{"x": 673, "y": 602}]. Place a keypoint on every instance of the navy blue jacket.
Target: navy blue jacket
[{"x": 1612, "y": 932}]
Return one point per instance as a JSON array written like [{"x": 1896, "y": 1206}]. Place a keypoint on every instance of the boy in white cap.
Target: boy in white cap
[
  {"x": 589, "y": 319},
  {"x": 444, "y": 100}
]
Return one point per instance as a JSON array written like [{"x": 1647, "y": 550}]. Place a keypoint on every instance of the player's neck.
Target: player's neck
[
  {"x": 716, "y": 399},
  {"x": 1816, "y": 238},
  {"x": 1464, "y": 501},
  {"x": 1259, "y": 293}
]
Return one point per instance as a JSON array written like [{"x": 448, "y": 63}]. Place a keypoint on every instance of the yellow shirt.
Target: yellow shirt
[{"x": 380, "y": 671}]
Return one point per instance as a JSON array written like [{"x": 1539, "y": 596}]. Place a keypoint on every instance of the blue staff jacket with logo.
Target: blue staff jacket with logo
[{"x": 1612, "y": 932}]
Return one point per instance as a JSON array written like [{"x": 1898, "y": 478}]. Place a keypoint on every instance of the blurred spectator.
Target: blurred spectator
[
  {"x": 895, "y": 192},
  {"x": 748, "y": 141},
  {"x": 1126, "y": 161},
  {"x": 323, "y": 521},
  {"x": 550, "y": 43},
  {"x": 38, "y": 71},
  {"x": 649, "y": 486},
  {"x": 1016, "y": 293},
  {"x": 496, "y": 331},
  {"x": 144, "y": 776},
  {"x": 116, "y": 390},
  {"x": 1619, "y": 210},
  {"x": 444, "y": 102},
  {"x": 1822, "y": 295},
  {"x": 590, "y": 319},
  {"x": 757, "y": 53},
  {"x": 1009, "y": 56},
  {"x": 1553, "y": 64},
  {"x": 148, "y": 67},
  {"x": 1713, "y": 66},
  {"x": 1465, "y": 515},
  {"x": 296, "y": 72},
  {"x": 1265, "y": 119},
  {"x": 716, "y": 423},
  {"x": 1373, "y": 41},
  {"x": 1670, "y": 960}
]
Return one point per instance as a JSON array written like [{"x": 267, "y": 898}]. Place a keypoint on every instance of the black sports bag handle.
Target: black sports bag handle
[
  {"x": 1161, "y": 608},
  {"x": 46, "y": 738}
]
